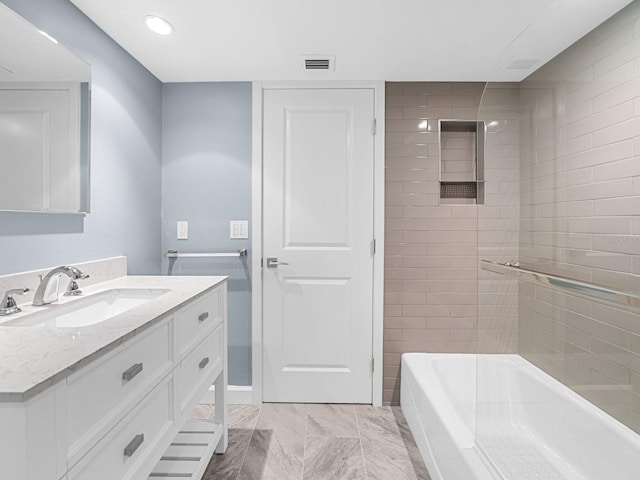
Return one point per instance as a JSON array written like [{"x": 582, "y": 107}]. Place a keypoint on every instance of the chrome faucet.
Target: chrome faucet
[
  {"x": 8, "y": 305},
  {"x": 43, "y": 295}
]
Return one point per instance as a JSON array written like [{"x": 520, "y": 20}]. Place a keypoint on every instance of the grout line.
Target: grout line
[
  {"x": 246, "y": 450},
  {"x": 364, "y": 461}
]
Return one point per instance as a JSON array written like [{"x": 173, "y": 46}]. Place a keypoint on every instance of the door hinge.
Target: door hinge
[
  {"x": 373, "y": 247},
  {"x": 373, "y": 365},
  {"x": 262, "y": 263},
  {"x": 374, "y": 127}
]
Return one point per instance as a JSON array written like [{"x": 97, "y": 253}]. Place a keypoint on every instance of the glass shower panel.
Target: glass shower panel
[
  {"x": 559, "y": 325},
  {"x": 498, "y": 241}
]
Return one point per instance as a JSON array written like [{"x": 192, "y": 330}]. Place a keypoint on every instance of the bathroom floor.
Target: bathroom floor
[{"x": 316, "y": 442}]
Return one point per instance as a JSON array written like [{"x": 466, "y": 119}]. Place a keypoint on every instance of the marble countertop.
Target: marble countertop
[{"x": 33, "y": 358}]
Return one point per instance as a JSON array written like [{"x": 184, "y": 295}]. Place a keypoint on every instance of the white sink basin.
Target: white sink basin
[{"x": 89, "y": 310}]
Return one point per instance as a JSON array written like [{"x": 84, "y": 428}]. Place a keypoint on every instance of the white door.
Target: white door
[{"x": 318, "y": 160}]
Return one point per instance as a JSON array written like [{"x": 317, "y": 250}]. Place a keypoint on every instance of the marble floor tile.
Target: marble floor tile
[
  {"x": 415, "y": 457},
  {"x": 331, "y": 420},
  {"x": 243, "y": 417},
  {"x": 316, "y": 442},
  {"x": 385, "y": 452},
  {"x": 333, "y": 458},
  {"x": 268, "y": 458},
  {"x": 227, "y": 466}
]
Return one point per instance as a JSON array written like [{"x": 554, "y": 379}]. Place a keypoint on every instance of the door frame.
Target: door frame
[{"x": 259, "y": 87}]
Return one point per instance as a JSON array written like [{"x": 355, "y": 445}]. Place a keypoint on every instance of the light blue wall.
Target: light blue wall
[
  {"x": 207, "y": 181},
  {"x": 126, "y": 164}
]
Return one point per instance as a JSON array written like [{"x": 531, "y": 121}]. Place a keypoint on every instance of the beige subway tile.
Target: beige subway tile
[
  {"x": 451, "y": 299},
  {"x": 407, "y": 249},
  {"x": 394, "y": 89},
  {"x": 404, "y": 175},
  {"x": 394, "y": 113},
  {"x": 425, "y": 335},
  {"x": 425, "y": 310},
  {"x": 409, "y": 163},
  {"x": 420, "y": 138},
  {"x": 392, "y": 286},
  {"x": 454, "y": 101},
  {"x": 617, "y": 206},
  {"x": 392, "y": 311},
  {"x": 410, "y": 199},
  {"x": 427, "y": 88},
  {"x": 406, "y": 150},
  {"x": 406, "y": 101},
  {"x": 405, "y": 224},
  {"x": 456, "y": 250},
  {"x": 406, "y": 273},
  {"x": 405, "y": 322},
  {"x": 403, "y": 347},
  {"x": 619, "y": 94},
  {"x": 427, "y": 112},
  {"x": 405, "y": 298},
  {"x": 392, "y": 336},
  {"x": 612, "y": 116},
  {"x": 451, "y": 323},
  {"x": 617, "y": 133},
  {"x": 422, "y": 187}
]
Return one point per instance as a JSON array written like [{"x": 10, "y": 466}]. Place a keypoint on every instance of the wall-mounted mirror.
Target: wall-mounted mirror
[{"x": 44, "y": 121}]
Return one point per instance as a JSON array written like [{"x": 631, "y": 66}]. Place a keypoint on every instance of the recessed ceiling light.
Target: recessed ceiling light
[
  {"x": 46, "y": 35},
  {"x": 158, "y": 25}
]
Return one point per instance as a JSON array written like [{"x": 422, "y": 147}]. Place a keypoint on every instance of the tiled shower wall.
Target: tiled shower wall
[
  {"x": 581, "y": 213},
  {"x": 431, "y": 250}
]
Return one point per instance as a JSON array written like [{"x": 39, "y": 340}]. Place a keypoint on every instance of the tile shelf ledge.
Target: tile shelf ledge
[{"x": 584, "y": 289}]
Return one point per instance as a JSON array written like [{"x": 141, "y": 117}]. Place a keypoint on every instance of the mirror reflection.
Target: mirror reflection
[{"x": 44, "y": 121}]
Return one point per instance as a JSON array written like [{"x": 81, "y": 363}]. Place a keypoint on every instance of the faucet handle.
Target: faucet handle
[
  {"x": 72, "y": 289},
  {"x": 8, "y": 305}
]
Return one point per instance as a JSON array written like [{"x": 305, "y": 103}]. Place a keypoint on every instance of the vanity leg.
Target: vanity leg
[{"x": 221, "y": 387}]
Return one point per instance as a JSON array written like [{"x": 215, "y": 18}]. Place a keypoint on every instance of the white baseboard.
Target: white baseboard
[{"x": 236, "y": 394}]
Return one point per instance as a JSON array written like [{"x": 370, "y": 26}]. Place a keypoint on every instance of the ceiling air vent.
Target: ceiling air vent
[
  {"x": 312, "y": 63},
  {"x": 521, "y": 64},
  {"x": 320, "y": 64}
]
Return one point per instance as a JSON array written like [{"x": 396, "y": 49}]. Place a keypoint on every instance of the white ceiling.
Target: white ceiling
[{"x": 401, "y": 40}]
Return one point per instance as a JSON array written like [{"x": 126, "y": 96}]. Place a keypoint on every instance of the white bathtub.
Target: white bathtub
[{"x": 519, "y": 424}]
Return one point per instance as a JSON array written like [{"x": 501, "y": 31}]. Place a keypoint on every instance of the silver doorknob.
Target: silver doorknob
[{"x": 272, "y": 262}]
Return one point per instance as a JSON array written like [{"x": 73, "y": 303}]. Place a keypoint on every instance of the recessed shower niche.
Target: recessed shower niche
[{"x": 461, "y": 162}]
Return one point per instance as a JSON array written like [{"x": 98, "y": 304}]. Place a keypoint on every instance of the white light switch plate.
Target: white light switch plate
[
  {"x": 238, "y": 229},
  {"x": 183, "y": 230}
]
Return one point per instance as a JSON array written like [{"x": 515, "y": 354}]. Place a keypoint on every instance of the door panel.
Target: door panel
[{"x": 318, "y": 219}]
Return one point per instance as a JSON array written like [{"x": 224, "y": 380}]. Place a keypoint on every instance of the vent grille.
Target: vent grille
[
  {"x": 317, "y": 64},
  {"x": 522, "y": 64},
  {"x": 458, "y": 190}
]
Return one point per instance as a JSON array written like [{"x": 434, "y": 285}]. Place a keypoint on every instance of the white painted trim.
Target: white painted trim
[
  {"x": 256, "y": 244},
  {"x": 378, "y": 231},
  {"x": 256, "y": 217},
  {"x": 236, "y": 394}
]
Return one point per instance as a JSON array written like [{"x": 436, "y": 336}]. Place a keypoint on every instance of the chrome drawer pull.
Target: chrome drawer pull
[
  {"x": 131, "y": 372},
  {"x": 134, "y": 444},
  {"x": 204, "y": 362},
  {"x": 203, "y": 316}
]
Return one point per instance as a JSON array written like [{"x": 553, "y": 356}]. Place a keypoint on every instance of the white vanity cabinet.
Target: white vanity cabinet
[{"x": 116, "y": 416}]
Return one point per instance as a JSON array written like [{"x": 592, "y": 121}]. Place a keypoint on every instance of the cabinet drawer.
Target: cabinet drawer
[
  {"x": 196, "y": 320},
  {"x": 199, "y": 369},
  {"x": 101, "y": 393},
  {"x": 134, "y": 446}
]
